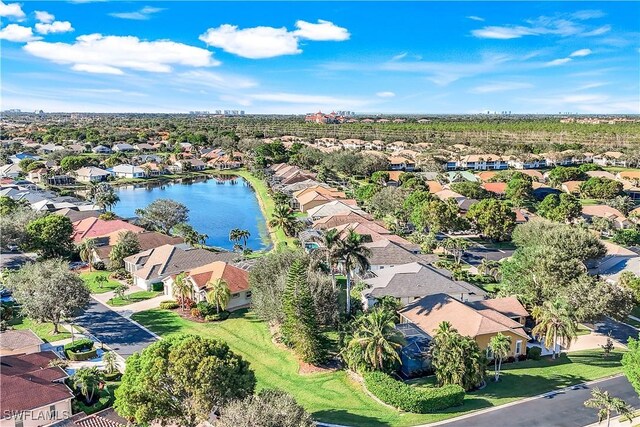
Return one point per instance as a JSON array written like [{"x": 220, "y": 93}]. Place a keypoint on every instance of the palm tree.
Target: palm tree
[
  {"x": 376, "y": 340},
  {"x": 449, "y": 370},
  {"x": 87, "y": 381},
  {"x": 607, "y": 404},
  {"x": 284, "y": 218},
  {"x": 500, "y": 346},
  {"x": 455, "y": 246},
  {"x": 218, "y": 294},
  {"x": 101, "y": 280},
  {"x": 244, "y": 235},
  {"x": 329, "y": 251},
  {"x": 234, "y": 235},
  {"x": 181, "y": 288},
  {"x": 553, "y": 322},
  {"x": 86, "y": 248},
  {"x": 353, "y": 254},
  {"x": 489, "y": 267},
  {"x": 110, "y": 362}
]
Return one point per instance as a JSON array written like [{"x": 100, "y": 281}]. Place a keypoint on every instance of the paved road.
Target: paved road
[
  {"x": 119, "y": 333},
  {"x": 619, "y": 331},
  {"x": 565, "y": 409},
  {"x": 13, "y": 260},
  {"x": 475, "y": 254}
]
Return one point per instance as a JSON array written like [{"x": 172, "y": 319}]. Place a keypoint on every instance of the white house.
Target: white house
[
  {"x": 101, "y": 149},
  {"x": 122, "y": 148},
  {"x": 127, "y": 171}
]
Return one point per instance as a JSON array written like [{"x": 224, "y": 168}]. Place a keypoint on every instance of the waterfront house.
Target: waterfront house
[
  {"x": 128, "y": 171},
  {"x": 311, "y": 197},
  {"x": 146, "y": 239},
  {"x": 92, "y": 227},
  {"x": 91, "y": 174},
  {"x": 334, "y": 207}
]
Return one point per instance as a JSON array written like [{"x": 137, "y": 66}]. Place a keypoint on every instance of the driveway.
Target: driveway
[
  {"x": 122, "y": 335},
  {"x": 619, "y": 331},
  {"x": 13, "y": 260},
  {"x": 565, "y": 409},
  {"x": 475, "y": 254}
]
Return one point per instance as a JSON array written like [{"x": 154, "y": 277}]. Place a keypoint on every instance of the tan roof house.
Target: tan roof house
[{"x": 19, "y": 341}]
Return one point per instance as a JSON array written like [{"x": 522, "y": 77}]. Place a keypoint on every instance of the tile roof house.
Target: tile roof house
[
  {"x": 604, "y": 211},
  {"x": 77, "y": 215},
  {"x": 409, "y": 282},
  {"x": 311, "y": 197},
  {"x": 572, "y": 187},
  {"x": 334, "y": 207},
  {"x": 122, "y": 147},
  {"x": 146, "y": 239},
  {"x": 91, "y": 174},
  {"x": 498, "y": 188},
  {"x": 386, "y": 253},
  {"x": 92, "y": 227},
  {"x": 332, "y": 221},
  {"x": 154, "y": 265},
  {"x": 128, "y": 171},
  {"x": 19, "y": 341},
  {"x": 30, "y": 385},
  {"x": 237, "y": 280},
  {"x": 374, "y": 232},
  {"x": 481, "y": 323}
]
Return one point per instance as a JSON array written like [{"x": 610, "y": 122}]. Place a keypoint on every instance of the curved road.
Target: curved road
[{"x": 122, "y": 335}]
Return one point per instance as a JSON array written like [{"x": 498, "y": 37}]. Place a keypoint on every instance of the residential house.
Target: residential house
[
  {"x": 101, "y": 149},
  {"x": 331, "y": 221},
  {"x": 145, "y": 147},
  {"x": 50, "y": 148},
  {"x": 480, "y": 323},
  {"x": 122, "y": 147},
  {"x": 632, "y": 175},
  {"x": 334, "y": 207},
  {"x": 486, "y": 176},
  {"x": 461, "y": 176},
  {"x": 76, "y": 148},
  {"x": 185, "y": 165},
  {"x": 92, "y": 227},
  {"x": 128, "y": 171},
  {"x": 601, "y": 174},
  {"x": 497, "y": 188},
  {"x": 536, "y": 176},
  {"x": 616, "y": 259},
  {"x": 91, "y": 174},
  {"x": 373, "y": 232},
  {"x": 11, "y": 170},
  {"x": 154, "y": 265},
  {"x": 409, "y": 282},
  {"x": 527, "y": 161},
  {"x": 311, "y": 197},
  {"x": 201, "y": 277},
  {"x": 398, "y": 163},
  {"x": 19, "y": 341},
  {"x": 44, "y": 176},
  {"x": 572, "y": 187},
  {"x": 146, "y": 239},
  {"x": 31, "y": 386},
  {"x": 16, "y": 158},
  {"x": 631, "y": 189},
  {"x": 386, "y": 254},
  {"x": 483, "y": 162},
  {"x": 75, "y": 215},
  {"x": 617, "y": 218},
  {"x": 610, "y": 158}
]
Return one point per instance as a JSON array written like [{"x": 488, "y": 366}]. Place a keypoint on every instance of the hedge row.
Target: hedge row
[
  {"x": 83, "y": 355},
  {"x": 78, "y": 346},
  {"x": 419, "y": 400},
  {"x": 169, "y": 305}
]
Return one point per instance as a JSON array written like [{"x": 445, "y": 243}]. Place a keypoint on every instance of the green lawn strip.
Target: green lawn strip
[
  {"x": 95, "y": 287},
  {"x": 632, "y": 322},
  {"x": 132, "y": 298},
  {"x": 43, "y": 330},
  {"x": 636, "y": 311},
  {"x": 583, "y": 330},
  {"x": 106, "y": 400},
  {"x": 335, "y": 398}
]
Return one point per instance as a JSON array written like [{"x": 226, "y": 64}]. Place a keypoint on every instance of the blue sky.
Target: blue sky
[{"x": 264, "y": 57}]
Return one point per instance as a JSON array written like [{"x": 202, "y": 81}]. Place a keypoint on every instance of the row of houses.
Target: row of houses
[{"x": 483, "y": 162}]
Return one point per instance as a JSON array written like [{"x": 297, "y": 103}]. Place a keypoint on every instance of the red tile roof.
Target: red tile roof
[
  {"x": 90, "y": 228},
  {"x": 495, "y": 187},
  {"x": 236, "y": 278}
]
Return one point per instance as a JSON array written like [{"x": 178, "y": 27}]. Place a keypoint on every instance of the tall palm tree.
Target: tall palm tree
[
  {"x": 234, "y": 235},
  {"x": 329, "y": 251},
  {"x": 181, "y": 288},
  {"x": 110, "y": 362},
  {"x": 284, "y": 218},
  {"x": 87, "y": 381},
  {"x": 607, "y": 404},
  {"x": 244, "y": 236},
  {"x": 218, "y": 294},
  {"x": 456, "y": 247},
  {"x": 376, "y": 340},
  {"x": 449, "y": 370},
  {"x": 554, "y": 322},
  {"x": 85, "y": 249},
  {"x": 353, "y": 254},
  {"x": 500, "y": 346}
]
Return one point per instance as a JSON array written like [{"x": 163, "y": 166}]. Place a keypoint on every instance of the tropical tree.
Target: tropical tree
[
  {"x": 455, "y": 246},
  {"x": 181, "y": 288},
  {"x": 353, "y": 254},
  {"x": 284, "y": 218},
  {"x": 110, "y": 362},
  {"x": 189, "y": 234},
  {"x": 120, "y": 290},
  {"x": 266, "y": 409},
  {"x": 329, "y": 251},
  {"x": 554, "y": 322},
  {"x": 87, "y": 380},
  {"x": 101, "y": 280},
  {"x": 104, "y": 195},
  {"x": 50, "y": 235},
  {"x": 376, "y": 343},
  {"x": 244, "y": 236},
  {"x": 85, "y": 250},
  {"x": 164, "y": 214},
  {"x": 234, "y": 235},
  {"x": 607, "y": 404},
  {"x": 489, "y": 268},
  {"x": 500, "y": 346},
  {"x": 218, "y": 293},
  {"x": 127, "y": 245}
]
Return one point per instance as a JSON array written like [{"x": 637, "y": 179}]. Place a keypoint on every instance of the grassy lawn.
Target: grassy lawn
[
  {"x": 583, "y": 330},
  {"x": 632, "y": 322},
  {"x": 636, "y": 311},
  {"x": 335, "y": 398},
  {"x": 131, "y": 298},
  {"x": 94, "y": 287},
  {"x": 267, "y": 205},
  {"x": 587, "y": 202},
  {"x": 43, "y": 330}
]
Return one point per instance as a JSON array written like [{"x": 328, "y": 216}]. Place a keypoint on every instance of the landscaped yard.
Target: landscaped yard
[
  {"x": 43, "y": 330},
  {"x": 107, "y": 397},
  {"x": 96, "y": 287},
  {"x": 131, "y": 298},
  {"x": 333, "y": 397}
]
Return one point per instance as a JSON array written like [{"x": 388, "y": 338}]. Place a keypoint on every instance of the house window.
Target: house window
[
  {"x": 234, "y": 296},
  {"x": 248, "y": 294},
  {"x": 489, "y": 353},
  {"x": 518, "y": 347}
]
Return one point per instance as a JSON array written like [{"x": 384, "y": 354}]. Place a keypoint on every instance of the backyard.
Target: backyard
[
  {"x": 334, "y": 397},
  {"x": 42, "y": 330},
  {"x": 94, "y": 285}
]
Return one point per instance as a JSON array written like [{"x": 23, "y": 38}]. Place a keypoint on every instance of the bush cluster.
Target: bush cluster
[
  {"x": 223, "y": 315},
  {"x": 157, "y": 287},
  {"x": 534, "y": 353},
  {"x": 80, "y": 350},
  {"x": 419, "y": 400},
  {"x": 169, "y": 305}
]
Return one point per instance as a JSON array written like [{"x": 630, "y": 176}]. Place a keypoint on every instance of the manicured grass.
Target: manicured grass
[
  {"x": 636, "y": 311},
  {"x": 43, "y": 330},
  {"x": 588, "y": 202},
  {"x": 632, "y": 322},
  {"x": 107, "y": 397},
  {"x": 279, "y": 239},
  {"x": 131, "y": 298},
  {"x": 335, "y": 398},
  {"x": 95, "y": 287},
  {"x": 583, "y": 330}
]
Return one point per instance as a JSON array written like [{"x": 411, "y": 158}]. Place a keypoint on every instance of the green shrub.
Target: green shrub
[
  {"x": 82, "y": 355},
  {"x": 223, "y": 315},
  {"x": 195, "y": 312},
  {"x": 534, "y": 353},
  {"x": 157, "y": 287},
  {"x": 206, "y": 309},
  {"x": 115, "y": 376},
  {"x": 419, "y": 400},
  {"x": 169, "y": 305},
  {"x": 78, "y": 346}
]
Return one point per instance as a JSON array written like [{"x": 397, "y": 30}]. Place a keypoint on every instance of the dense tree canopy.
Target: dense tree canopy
[
  {"x": 269, "y": 408},
  {"x": 600, "y": 188},
  {"x": 51, "y": 235},
  {"x": 164, "y": 214},
  {"x": 126, "y": 245},
  {"x": 561, "y": 208},
  {"x": 492, "y": 218}
]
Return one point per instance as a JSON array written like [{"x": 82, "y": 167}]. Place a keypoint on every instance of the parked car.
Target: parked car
[{"x": 77, "y": 265}]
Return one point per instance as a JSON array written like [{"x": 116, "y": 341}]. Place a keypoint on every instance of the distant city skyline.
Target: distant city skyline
[{"x": 296, "y": 58}]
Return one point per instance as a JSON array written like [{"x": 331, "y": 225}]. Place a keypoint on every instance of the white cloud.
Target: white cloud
[
  {"x": 322, "y": 31},
  {"x": 54, "y": 27},
  {"x": 587, "y": 14},
  {"x": 475, "y": 18},
  {"x": 45, "y": 17},
  {"x": 500, "y": 87},
  {"x": 559, "y": 25},
  {"x": 95, "y": 53},
  {"x": 11, "y": 10},
  {"x": 581, "y": 52},
  {"x": 138, "y": 15},
  {"x": 557, "y": 62},
  {"x": 269, "y": 42},
  {"x": 385, "y": 94},
  {"x": 17, "y": 33},
  {"x": 215, "y": 80},
  {"x": 502, "y": 33},
  {"x": 598, "y": 31}
]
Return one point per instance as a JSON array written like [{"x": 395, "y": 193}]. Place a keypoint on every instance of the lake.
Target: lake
[{"x": 215, "y": 207}]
